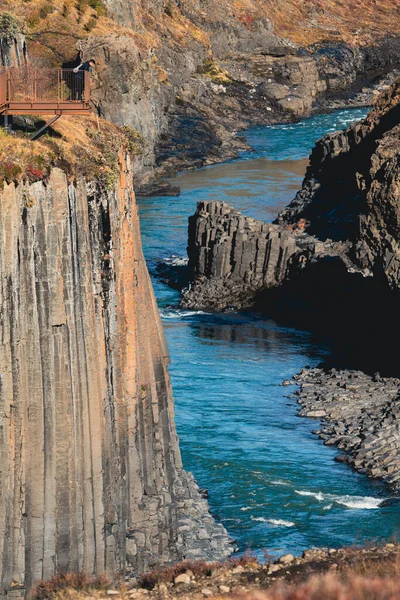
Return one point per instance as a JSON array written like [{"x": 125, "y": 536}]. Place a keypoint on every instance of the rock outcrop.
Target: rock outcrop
[
  {"x": 91, "y": 477},
  {"x": 232, "y": 256},
  {"x": 344, "y": 266},
  {"x": 360, "y": 416}
]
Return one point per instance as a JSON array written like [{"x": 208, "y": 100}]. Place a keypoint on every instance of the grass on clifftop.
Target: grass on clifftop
[{"x": 79, "y": 145}]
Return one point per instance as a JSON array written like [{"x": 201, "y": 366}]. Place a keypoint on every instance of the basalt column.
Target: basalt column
[{"x": 90, "y": 469}]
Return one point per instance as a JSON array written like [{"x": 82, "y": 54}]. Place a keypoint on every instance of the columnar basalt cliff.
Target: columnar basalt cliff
[
  {"x": 232, "y": 256},
  {"x": 90, "y": 472}
]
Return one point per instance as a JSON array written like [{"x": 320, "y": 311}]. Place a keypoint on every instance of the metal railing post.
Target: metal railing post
[
  {"x": 3, "y": 87},
  {"x": 8, "y": 86},
  {"x": 86, "y": 93}
]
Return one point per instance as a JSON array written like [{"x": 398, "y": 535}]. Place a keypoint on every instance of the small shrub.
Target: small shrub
[
  {"x": 91, "y": 24},
  {"x": 135, "y": 142},
  {"x": 9, "y": 171},
  {"x": 247, "y": 20},
  {"x": 82, "y": 6},
  {"x": 9, "y": 28},
  {"x": 171, "y": 10},
  {"x": 65, "y": 11},
  {"x": 211, "y": 69},
  {"x": 46, "y": 10},
  {"x": 99, "y": 7},
  {"x": 46, "y": 590}
]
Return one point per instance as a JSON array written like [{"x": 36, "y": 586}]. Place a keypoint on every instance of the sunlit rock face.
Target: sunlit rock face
[{"x": 90, "y": 472}]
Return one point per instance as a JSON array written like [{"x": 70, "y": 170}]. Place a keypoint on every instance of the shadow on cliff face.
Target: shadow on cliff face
[
  {"x": 358, "y": 315},
  {"x": 334, "y": 192}
]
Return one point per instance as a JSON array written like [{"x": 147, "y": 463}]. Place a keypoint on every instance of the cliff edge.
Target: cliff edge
[{"x": 91, "y": 477}]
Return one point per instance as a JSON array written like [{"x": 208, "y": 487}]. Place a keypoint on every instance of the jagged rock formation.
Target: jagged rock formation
[
  {"x": 232, "y": 257},
  {"x": 350, "y": 205},
  {"x": 90, "y": 472},
  {"x": 352, "y": 190}
]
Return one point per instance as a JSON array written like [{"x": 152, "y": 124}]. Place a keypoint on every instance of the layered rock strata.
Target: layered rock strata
[
  {"x": 359, "y": 414},
  {"x": 91, "y": 477}
]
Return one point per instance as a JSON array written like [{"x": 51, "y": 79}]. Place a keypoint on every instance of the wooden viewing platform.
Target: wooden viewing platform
[{"x": 31, "y": 91}]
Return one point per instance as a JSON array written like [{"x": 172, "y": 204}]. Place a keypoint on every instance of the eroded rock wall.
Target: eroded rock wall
[
  {"x": 91, "y": 477},
  {"x": 156, "y": 76},
  {"x": 232, "y": 256}
]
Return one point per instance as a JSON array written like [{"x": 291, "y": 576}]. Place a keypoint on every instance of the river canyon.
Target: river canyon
[
  {"x": 107, "y": 297},
  {"x": 271, "y": 482}
]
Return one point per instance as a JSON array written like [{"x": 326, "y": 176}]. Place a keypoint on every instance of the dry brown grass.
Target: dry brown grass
[
  {"x": 84, "y": 145},
  {"x": 356, "y": 22},
  {"x": 69, "y": 585},
  {"x": 332, "y": 587},
  {"x": 198, "y": 568},
  {"x": 360, "y": 574},
  {"x": 54, "y": 27}
]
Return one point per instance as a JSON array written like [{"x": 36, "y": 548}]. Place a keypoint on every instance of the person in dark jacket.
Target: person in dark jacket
[{"x": 79, "y": 77}]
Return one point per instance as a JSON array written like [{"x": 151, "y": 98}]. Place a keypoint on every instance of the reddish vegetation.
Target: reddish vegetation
[
  {"x": 198, "y": 568},
  {"x": 348, "y": 574},
  {"x": 45, "y": 590}
]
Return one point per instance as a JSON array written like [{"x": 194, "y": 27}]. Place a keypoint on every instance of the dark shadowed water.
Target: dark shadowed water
[{"x": 272, "y": 483}]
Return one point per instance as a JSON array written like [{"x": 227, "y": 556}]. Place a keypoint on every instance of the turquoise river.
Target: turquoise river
[{"x": 271, "y": 481}]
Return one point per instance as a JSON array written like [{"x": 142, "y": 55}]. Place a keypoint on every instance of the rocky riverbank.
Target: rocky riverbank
[{"x": 360, "y": 415}]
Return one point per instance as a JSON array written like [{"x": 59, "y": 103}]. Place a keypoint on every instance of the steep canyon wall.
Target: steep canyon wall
[
  {"x": 334, "y": 256},
  {"x": 91, "y": 477}
]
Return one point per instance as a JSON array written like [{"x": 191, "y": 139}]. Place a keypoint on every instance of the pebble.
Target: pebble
[
  {"x": 286, "y": 559},
  {"x": 237, "y": 570},
  {"x": 273, "y": 568},
  {"x": 224, "y": 589},
  {"x": 183, "y": 578},
  {"x": 189, "y": 572},
  {"x": 206, "y": 592}
]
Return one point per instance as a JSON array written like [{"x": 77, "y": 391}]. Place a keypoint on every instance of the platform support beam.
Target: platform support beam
[{"x": 39, "y": 132}]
